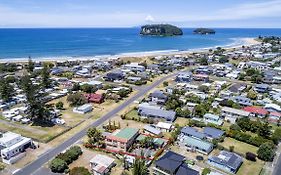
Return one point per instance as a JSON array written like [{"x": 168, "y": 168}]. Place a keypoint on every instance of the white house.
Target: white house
[
  {"x": 83, "y": 109},
  {"x": 11, "y": 145},
  {"x": 101, "y": 164},
  {"x": 232, "y": 114}
]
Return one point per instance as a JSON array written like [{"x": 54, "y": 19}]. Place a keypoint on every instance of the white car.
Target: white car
[{"x": 58, "y": 121}]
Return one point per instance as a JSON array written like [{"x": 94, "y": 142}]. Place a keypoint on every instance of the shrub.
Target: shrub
[
  {"x": 266, "y": 151},
  {"x": 251, "y": 156},
  {"x": 220, "y": 147},
  {"x": 70, "y": 155},
  {"x": 206, "y": 171},
  {"x": 59, "y": 105},
  {"x": 58, "y": 165},
  {"x": 231, "y": 148}
]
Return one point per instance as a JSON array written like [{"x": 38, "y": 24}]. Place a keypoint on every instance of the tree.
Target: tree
[
  {"x": 223, "y": 59},
  {"x": 203, "y": 88},
  {"x": 58, "y": 165},
  {"x": 165, "y": 84},
  {"x": 276, "y": 136},
  {"x": 30, "y": 65},
  {"x": 94, "y": 136},
  {"x": 266, "y": 151},
  {"x": 45, "y": 74},
  {"x": 252, "y": 94},
  {"x": 88, "y": 88},
  {"x": 6, "y": 90},
  {"x": 203, "y": 61},
  {"x": 59, "y": 105},
  {"x": 231, "y": 148},
  {"x": 139, "y": 167},
  {"x": 76, "y": 99},
  {"x": 37, "y": 108},
  {"x": 251, "y": 156},
  {"x": 264, "y": 130},
  {"x": 123, "y": 93},
  {"x": 79, "y": 171},
  {"x": 182, "y": 113},
  {"x": 206, "y": 171}
]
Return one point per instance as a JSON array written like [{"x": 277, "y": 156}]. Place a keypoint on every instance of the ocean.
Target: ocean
[{"x": 55, "y": 43}]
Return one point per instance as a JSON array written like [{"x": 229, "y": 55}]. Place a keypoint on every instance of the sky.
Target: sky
[{"x": 131, "y": 13}]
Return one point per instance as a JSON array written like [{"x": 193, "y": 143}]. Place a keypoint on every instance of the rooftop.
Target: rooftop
[{"x": 126, "y": 133}]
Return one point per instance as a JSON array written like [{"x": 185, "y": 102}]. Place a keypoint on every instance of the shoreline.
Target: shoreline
[{"x": 237, "y": 42}]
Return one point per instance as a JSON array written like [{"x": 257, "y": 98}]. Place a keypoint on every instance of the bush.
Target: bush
[
  {"x": 206, "y": 171},
  {"x": 251, "y": 156},
  {"x": 266, "y": 151},
  {"x": 231, "y": 148},
  {"x": 58, "y": 165},
  {"x": 79, "y": 171},
  {"x": 70, "y": 155},
  {"x": 220, "y": 147},
  {"x": 59, "y": 105}
]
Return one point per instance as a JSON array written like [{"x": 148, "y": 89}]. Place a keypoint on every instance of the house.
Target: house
[
  {"x": 256, "y": 111},
  {"x": 192, "y": 132},
  {"x": 101, "y": 164},
  {"x": 243, "y": 101},
  {"x": 158, "y": 97},
  {"x": 97, "y": 84},
  {"x": 148, "y": 129},
  {"x": 83, "y": 73},
  {"x": 164, "y": 127},
  {"x": 154, "y": 112},
  {"x": 198, "y": 145},
  {"x": 262, "y": 88},
  {"x": 272, "y": 107},
  {"x": 83, "y": 109},
  {"x": 201, "y": 77},
  {"x": 214, "y": 119},
  {"x": 172, "y": 163},
  {"x": 114, "y": 76},
  {"x": 274, "y": 117},
  {"x": 94, "y": 98},
  {"x": 237, "y": 87},
  {"x": 213, "y": 133},
  {"x": 134, "y": 67},
  {"x": 231, "y": 114},
  {"x": 184, "y": 77},
  {"x": 227, "y": 161},
  {"x": 121, "y": 139},
  {"x": 12, "y": 145}
]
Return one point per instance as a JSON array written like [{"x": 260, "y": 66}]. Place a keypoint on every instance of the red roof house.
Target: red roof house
[
  {"x": 255, "y": 110},
  {"x": 94, "y": 98}
]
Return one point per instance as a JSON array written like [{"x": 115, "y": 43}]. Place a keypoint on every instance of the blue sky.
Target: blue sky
[{"x": 128, "y": 13}]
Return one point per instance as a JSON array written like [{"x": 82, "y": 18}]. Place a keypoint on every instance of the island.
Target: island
[
  {"x": 204, "y": 31},
  {"x": 160, "y": 30}
]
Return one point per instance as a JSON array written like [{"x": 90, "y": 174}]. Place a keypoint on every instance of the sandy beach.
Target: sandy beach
[{"x": 238, "y": 42}]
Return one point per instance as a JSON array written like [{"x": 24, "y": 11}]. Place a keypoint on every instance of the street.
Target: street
[{"x": 50, "y": 154}]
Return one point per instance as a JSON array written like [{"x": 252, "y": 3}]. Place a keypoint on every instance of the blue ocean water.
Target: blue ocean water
[{"x": 37, "y": 43}]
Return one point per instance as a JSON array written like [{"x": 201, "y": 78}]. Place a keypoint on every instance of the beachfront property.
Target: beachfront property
[
  {"x": 227, "y": 161},
  {"x": 232, "y": 114},
  {"x": 83, "y": 109},
  {"x": 122, "y": 139},
  {"x": 172, "y": 163},
  {"x": 135, "y": 67},
  {"x": 101, "y": 164},
  {"x": 12, "y": 146}
]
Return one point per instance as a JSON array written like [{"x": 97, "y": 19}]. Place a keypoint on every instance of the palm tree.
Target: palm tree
[{"x": 139, "y": 167}]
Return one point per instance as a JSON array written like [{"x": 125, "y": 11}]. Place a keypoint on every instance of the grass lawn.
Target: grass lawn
[
  {"x": 251, "y": 168},
  {"x": 132, "y": 114},
  {"x": 182, "y": 121},
  {"x": 239, "y": 147}
]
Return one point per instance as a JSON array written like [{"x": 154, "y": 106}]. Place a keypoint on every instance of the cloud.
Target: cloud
[{"x": 149, "y": 18}]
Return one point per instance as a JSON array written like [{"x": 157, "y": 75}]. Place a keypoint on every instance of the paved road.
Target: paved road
[
  {"x": 276, "y": 164},
  {"x": 44, "y": 158}
]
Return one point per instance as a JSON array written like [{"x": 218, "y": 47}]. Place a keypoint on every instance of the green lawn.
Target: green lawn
[
  {"x": 239, "y": 147},
  {"x": 132, "y": 114},
  {"x": 250, "y": 168}
]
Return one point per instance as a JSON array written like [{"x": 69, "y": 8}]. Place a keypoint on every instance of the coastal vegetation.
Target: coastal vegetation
[
  {"x": 204, "y": 31},
  {"x": 161, "y": 30}
]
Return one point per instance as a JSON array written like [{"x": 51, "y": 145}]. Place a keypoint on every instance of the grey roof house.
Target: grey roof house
[
  {"x": 227, "y": 161},
  {"x": 213, "y": 133},
  {"x": 173, "y": 164},
  {"x": 192, "y": 132},
  {"x": 158, "y": 97},
  {"x": 151, "y": 112}
]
